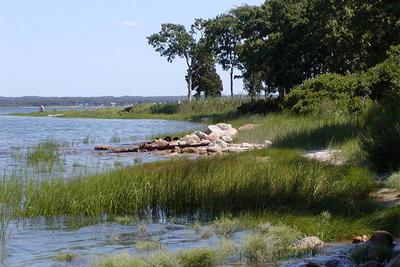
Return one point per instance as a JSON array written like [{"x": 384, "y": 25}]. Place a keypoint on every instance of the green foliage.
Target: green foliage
[
  {"x": 270, "y": 246},
  {"x": 201, "y": 257},
  {"x": 329, "y": 95},
  {"x": 261, "y": 107},
  {"x": 380, "y": 137},
  {"x": 384, "y": 78},
  {"x": 230, "y": 183},
  {"x": 206, "y": 80}
]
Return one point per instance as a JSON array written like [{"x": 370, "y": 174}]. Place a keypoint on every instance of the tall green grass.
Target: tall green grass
[
  {"x": 303, "y": 132},
  {"x": 249, "y": 181}
]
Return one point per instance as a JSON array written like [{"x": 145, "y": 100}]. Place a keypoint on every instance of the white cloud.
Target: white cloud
[{"x": 129, "y": 24}]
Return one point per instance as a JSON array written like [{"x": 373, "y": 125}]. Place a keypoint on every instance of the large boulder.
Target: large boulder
[
  {"x": 395, "y": 262},
  {"x": 382, "y": 238},
  {"x": 213, "y": 129},
  {"x": 221, "y": 129},
  {"x": 191, "y": 139},
  {"x": 213, "y": 137}
]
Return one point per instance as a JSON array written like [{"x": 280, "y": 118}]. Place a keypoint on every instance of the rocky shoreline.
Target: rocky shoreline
[
  {"x": 379, "y": 250},
  {"x": 216, "y": 139}
]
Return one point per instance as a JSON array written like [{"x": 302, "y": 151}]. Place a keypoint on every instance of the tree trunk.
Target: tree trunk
[
  {"x": 190, "y": 82},
  {"x": 232, "y": 81}
]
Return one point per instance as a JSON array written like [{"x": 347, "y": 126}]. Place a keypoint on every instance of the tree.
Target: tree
[
  {"x": 175, "y": 41},
  {"x": 206, "y": 80},
  {"x": 223, "y": 32}
]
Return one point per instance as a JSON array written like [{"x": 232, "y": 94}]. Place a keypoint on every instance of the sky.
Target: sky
[{"x": 95, "y": 47}]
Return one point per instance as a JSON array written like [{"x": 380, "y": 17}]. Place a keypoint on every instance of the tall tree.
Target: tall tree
[
  {"x": 206, "y": 80},
  {"x": 223, "y": 32},
  {"x": 175, "y": 41}
]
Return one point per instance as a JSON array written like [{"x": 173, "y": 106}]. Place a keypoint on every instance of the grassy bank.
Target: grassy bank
[{"x": 198, "y": 110}]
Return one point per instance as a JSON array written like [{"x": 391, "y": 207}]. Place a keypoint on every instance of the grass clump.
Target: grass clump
[
  {"x": 201, "y": 257},
  {"x": 225, "y": 226},
  {"x": 45, "y": 152},
  {"x": 65, "y": 257},
  {"x": 271, "y": 246},
  {"x": 121, "y": 260},
  {"x": 148, "y": 245}
]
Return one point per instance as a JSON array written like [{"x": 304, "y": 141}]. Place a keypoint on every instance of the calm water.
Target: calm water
[
  {"x": 78, "y": 136},
  {"x": 36, "y": 242}
]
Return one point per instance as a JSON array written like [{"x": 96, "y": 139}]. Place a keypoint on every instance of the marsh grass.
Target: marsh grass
[
  {"x": 218, "y": 184},
  {"x": 46, "y": 156},
  {"x": 65, "y": 257},
  {"x": 148, "y": 245},
  {"x": 302, "y": 132},
  {"x": 270, "y": 246}
]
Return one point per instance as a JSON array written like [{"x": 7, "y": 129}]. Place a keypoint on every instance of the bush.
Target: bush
[
  {"x": 328, "y": 95},
  {"x": 380, "y": 136},
  {"x": 262, "y": 106},
  {"x": 383, "y": 79}
]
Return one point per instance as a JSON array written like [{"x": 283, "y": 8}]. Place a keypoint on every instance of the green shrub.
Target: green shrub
[
  {"x": 328, "y": 95},
  {"x": 380, "y": 138},
  {"x": 383, "y": 79},
  {"x": 261, "y": 106}
]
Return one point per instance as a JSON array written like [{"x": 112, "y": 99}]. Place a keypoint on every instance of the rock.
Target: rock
[
  {"x": 173, "y": 154},
  {"x": 102, "y": 148},
  {"x": 202, "y": 150},
  {"x": 173, "y": 143},
  {"x": 221, "y": 143},
  {"x": 360, "y": 239},
  {"x": 191, "y": 139},
  {"x": 177, "y": 150},
  {"x": 213, "y": 129},
  {"x": 224, "y": 126},
  {"x": 371, "y": 264},
  {"x": 214, "y": 149},
  {"x": 159, "y": 143},
  {"x": 227, "y": 138},
  {"x": 395, "y": 262},
  {"x": 201, "y": 135},
  {"x": 382, "y": 238},
  {"x": 267, "y": 143},
  {"x": 213, "y": 137},
  {"x": 236, "y": 149},
  {"x": 312, "y": 243},
  {"x": 246, "y": 127},
  {"x": 190, "y": 150},
  {"x": 205, "y": 142},
  {"x": 230, "y": 132}
]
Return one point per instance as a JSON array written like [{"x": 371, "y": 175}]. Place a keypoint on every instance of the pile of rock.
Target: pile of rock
[{"x": 216, "y": 139}]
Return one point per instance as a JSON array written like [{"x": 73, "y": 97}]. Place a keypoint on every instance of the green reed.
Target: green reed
[{"x": 249, "y": 181}]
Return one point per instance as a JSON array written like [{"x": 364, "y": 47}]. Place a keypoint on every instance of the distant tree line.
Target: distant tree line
[
  {"x": 281, "y": 43},
  {"x": 89, "y": 101}
]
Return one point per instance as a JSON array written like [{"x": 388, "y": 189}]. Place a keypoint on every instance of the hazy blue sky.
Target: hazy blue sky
[{"x": 94, "y": 47}]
